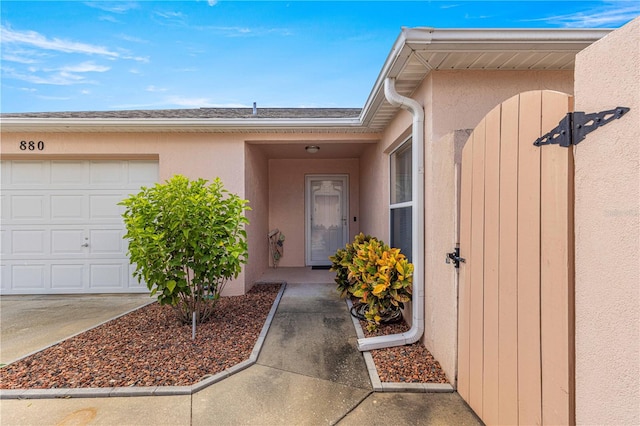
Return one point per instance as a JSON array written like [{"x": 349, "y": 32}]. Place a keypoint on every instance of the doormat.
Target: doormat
[{"x": 323, "y": 267}]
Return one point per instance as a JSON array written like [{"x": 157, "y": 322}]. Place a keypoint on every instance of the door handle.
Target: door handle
[{"x": 85, "y": 245}]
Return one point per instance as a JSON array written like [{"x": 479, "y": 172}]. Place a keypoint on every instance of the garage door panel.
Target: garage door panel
[
  {"x": 68, "y": 173},
  {"x": 68, "y": 276},
  {"x": 105, "y": 206},
  {"x": 29, "y": 173},
  {"x": 107, "y": 276},
  {"x": 51, "y": 209},
  {"x": 4, "y": 244},
  {"x": 4, "y": 207},
  {"x": 5, "y": 277},
  {"x": 67, "y": 241},
  {"x": 107, "y": 173},
  {"x": 69, "y": 207},
  {"x": 28, "y": 207},
  {"x": 29, "y": 277},
  {"x": 106, "y": 241},
  {"x": 31, "y": 242}
]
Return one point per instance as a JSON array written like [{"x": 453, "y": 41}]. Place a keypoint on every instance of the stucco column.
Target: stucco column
[{"x": 607, "y": 231}]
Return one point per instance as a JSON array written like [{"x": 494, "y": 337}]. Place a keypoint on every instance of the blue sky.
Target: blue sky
[{"x": 110, "y": 55}]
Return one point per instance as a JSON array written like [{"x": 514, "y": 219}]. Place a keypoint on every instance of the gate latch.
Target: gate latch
[
  {"x": 454, "y": 257},
  {"x": 575, "y": 126}
]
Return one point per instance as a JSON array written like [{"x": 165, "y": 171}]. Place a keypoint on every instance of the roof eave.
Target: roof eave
[{"x": 472, "y": 40}]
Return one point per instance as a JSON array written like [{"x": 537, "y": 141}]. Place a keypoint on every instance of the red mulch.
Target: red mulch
[{"x": 148, "y": 347}]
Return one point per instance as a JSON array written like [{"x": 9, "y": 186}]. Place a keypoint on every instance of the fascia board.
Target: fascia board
[
  {"x": 17, "y": 124},
  {"x": 395, "y": 62},
  {"x": 501, "y": 35}
]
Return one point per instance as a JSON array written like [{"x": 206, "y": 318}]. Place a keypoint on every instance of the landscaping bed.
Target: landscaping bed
[
  {"x": 404, "y": 364},
  {"x": 148, "y": 347}
]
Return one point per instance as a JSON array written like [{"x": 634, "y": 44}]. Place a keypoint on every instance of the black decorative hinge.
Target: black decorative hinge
[
  {"x": 575, "y": 126},
  {"x": 454, "y": 257}
]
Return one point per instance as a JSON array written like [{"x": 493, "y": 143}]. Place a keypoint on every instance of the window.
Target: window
[{"x": 401, "y": 203}]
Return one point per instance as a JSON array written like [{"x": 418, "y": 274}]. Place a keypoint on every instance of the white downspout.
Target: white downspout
[{"x": 417, "y": 223}]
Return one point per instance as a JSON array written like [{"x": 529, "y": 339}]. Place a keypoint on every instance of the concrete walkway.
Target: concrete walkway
[{"x": 309, "y": 372}]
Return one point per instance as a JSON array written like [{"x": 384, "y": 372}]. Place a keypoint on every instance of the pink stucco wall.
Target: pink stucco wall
[
  {"x": 607, "y": 234},
  {"x": 460, "y": 99},
  {"x": 257, "y": 192},
  {"x": 286, "y": 199}
]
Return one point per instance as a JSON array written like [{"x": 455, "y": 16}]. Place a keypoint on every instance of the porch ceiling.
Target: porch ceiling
[{"x": 328, "y": 149}]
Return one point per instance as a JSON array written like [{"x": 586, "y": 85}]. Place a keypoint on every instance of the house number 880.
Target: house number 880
[{"x": 31, "y": 146}]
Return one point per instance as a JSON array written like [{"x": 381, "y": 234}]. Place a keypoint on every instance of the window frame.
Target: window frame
[{"x": 402, "y": 204}]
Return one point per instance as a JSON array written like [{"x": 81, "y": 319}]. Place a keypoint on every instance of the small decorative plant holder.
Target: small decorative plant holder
[{"x": 276, "y": 246}]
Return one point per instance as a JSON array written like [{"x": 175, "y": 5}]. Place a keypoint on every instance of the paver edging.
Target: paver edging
[
  {"x": 378, "y": 385},
  {"x": 132, "y": 391}
]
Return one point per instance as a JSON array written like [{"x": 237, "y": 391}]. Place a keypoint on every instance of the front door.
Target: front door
[{"x": 326, "y": 198}]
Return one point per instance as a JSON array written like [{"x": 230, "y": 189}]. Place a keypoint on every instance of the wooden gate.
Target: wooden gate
[{"x": 516, "y": 327}]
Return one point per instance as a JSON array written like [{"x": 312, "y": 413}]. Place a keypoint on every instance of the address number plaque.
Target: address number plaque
[{"x": 31, "y": 145}]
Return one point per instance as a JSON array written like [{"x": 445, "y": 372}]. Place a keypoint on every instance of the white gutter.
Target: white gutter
[
  {"x": 417, "y": 222},
  {"x": 172, "y": 124}
]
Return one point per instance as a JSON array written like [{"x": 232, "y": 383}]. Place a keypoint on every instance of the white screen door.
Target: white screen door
[{"x": 326, "y": 216}]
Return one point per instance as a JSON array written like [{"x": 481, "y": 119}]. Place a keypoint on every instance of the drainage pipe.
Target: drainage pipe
[{"x": 417, "y": 223}]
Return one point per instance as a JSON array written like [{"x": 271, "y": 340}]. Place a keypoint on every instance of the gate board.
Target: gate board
[{"x": 515, "y": 363}]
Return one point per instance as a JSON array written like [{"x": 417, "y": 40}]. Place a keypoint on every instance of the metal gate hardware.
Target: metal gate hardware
[
  {"x": 575, "y": 126},
  {"x": 455, "y": 257}
]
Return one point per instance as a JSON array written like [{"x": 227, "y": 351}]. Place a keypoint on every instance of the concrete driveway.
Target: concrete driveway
[{"x": 30, "y": 323}]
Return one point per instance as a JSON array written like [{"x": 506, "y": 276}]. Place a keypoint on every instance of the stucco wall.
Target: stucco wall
[
  {"x": 286, "y": 200},
  {"x": 257, "y": 192},
  {"x": 374, "y": 177},
  {"x": 460, "y": 99},
  {"x": 193, "y": 155},
  {"x": 441, "y": 301},
  {"x": 607, "y": 231}
]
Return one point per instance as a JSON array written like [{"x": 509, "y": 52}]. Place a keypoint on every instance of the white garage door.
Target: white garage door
[{"x": 62, "y": 228}]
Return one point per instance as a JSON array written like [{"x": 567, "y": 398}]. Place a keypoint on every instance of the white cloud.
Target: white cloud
[
  {"x": 85, "y": 67},
  {"x": 14, "y": 57},
  {"x": 133, "y": 39},
  {"x": 109, "y": 18},
  {"x": 113, "y": 6},
  {"x": 612, "y": 15},
  {"x": 212, "y": 2},
  {"x": 153, "y": 88},
  {"x": 35, "y": 39},
  {"x": 171, "y": 18},
  {"x": 62, "y": 78},
  {"x": 245, "y": 31},
  {"x": 188, "y": 102}
]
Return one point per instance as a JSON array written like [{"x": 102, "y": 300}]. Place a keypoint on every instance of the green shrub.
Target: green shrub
[
  {"x": 341, "y": 261},
  {"x": 186, "y": 240},
  {"x": 380, "y": 276}
]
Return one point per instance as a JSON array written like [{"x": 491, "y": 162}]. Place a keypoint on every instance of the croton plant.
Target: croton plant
[{"x": 380, "y": 276}]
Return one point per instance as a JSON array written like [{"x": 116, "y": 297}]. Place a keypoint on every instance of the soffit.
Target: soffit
[{"x": 419, "y": 51}]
